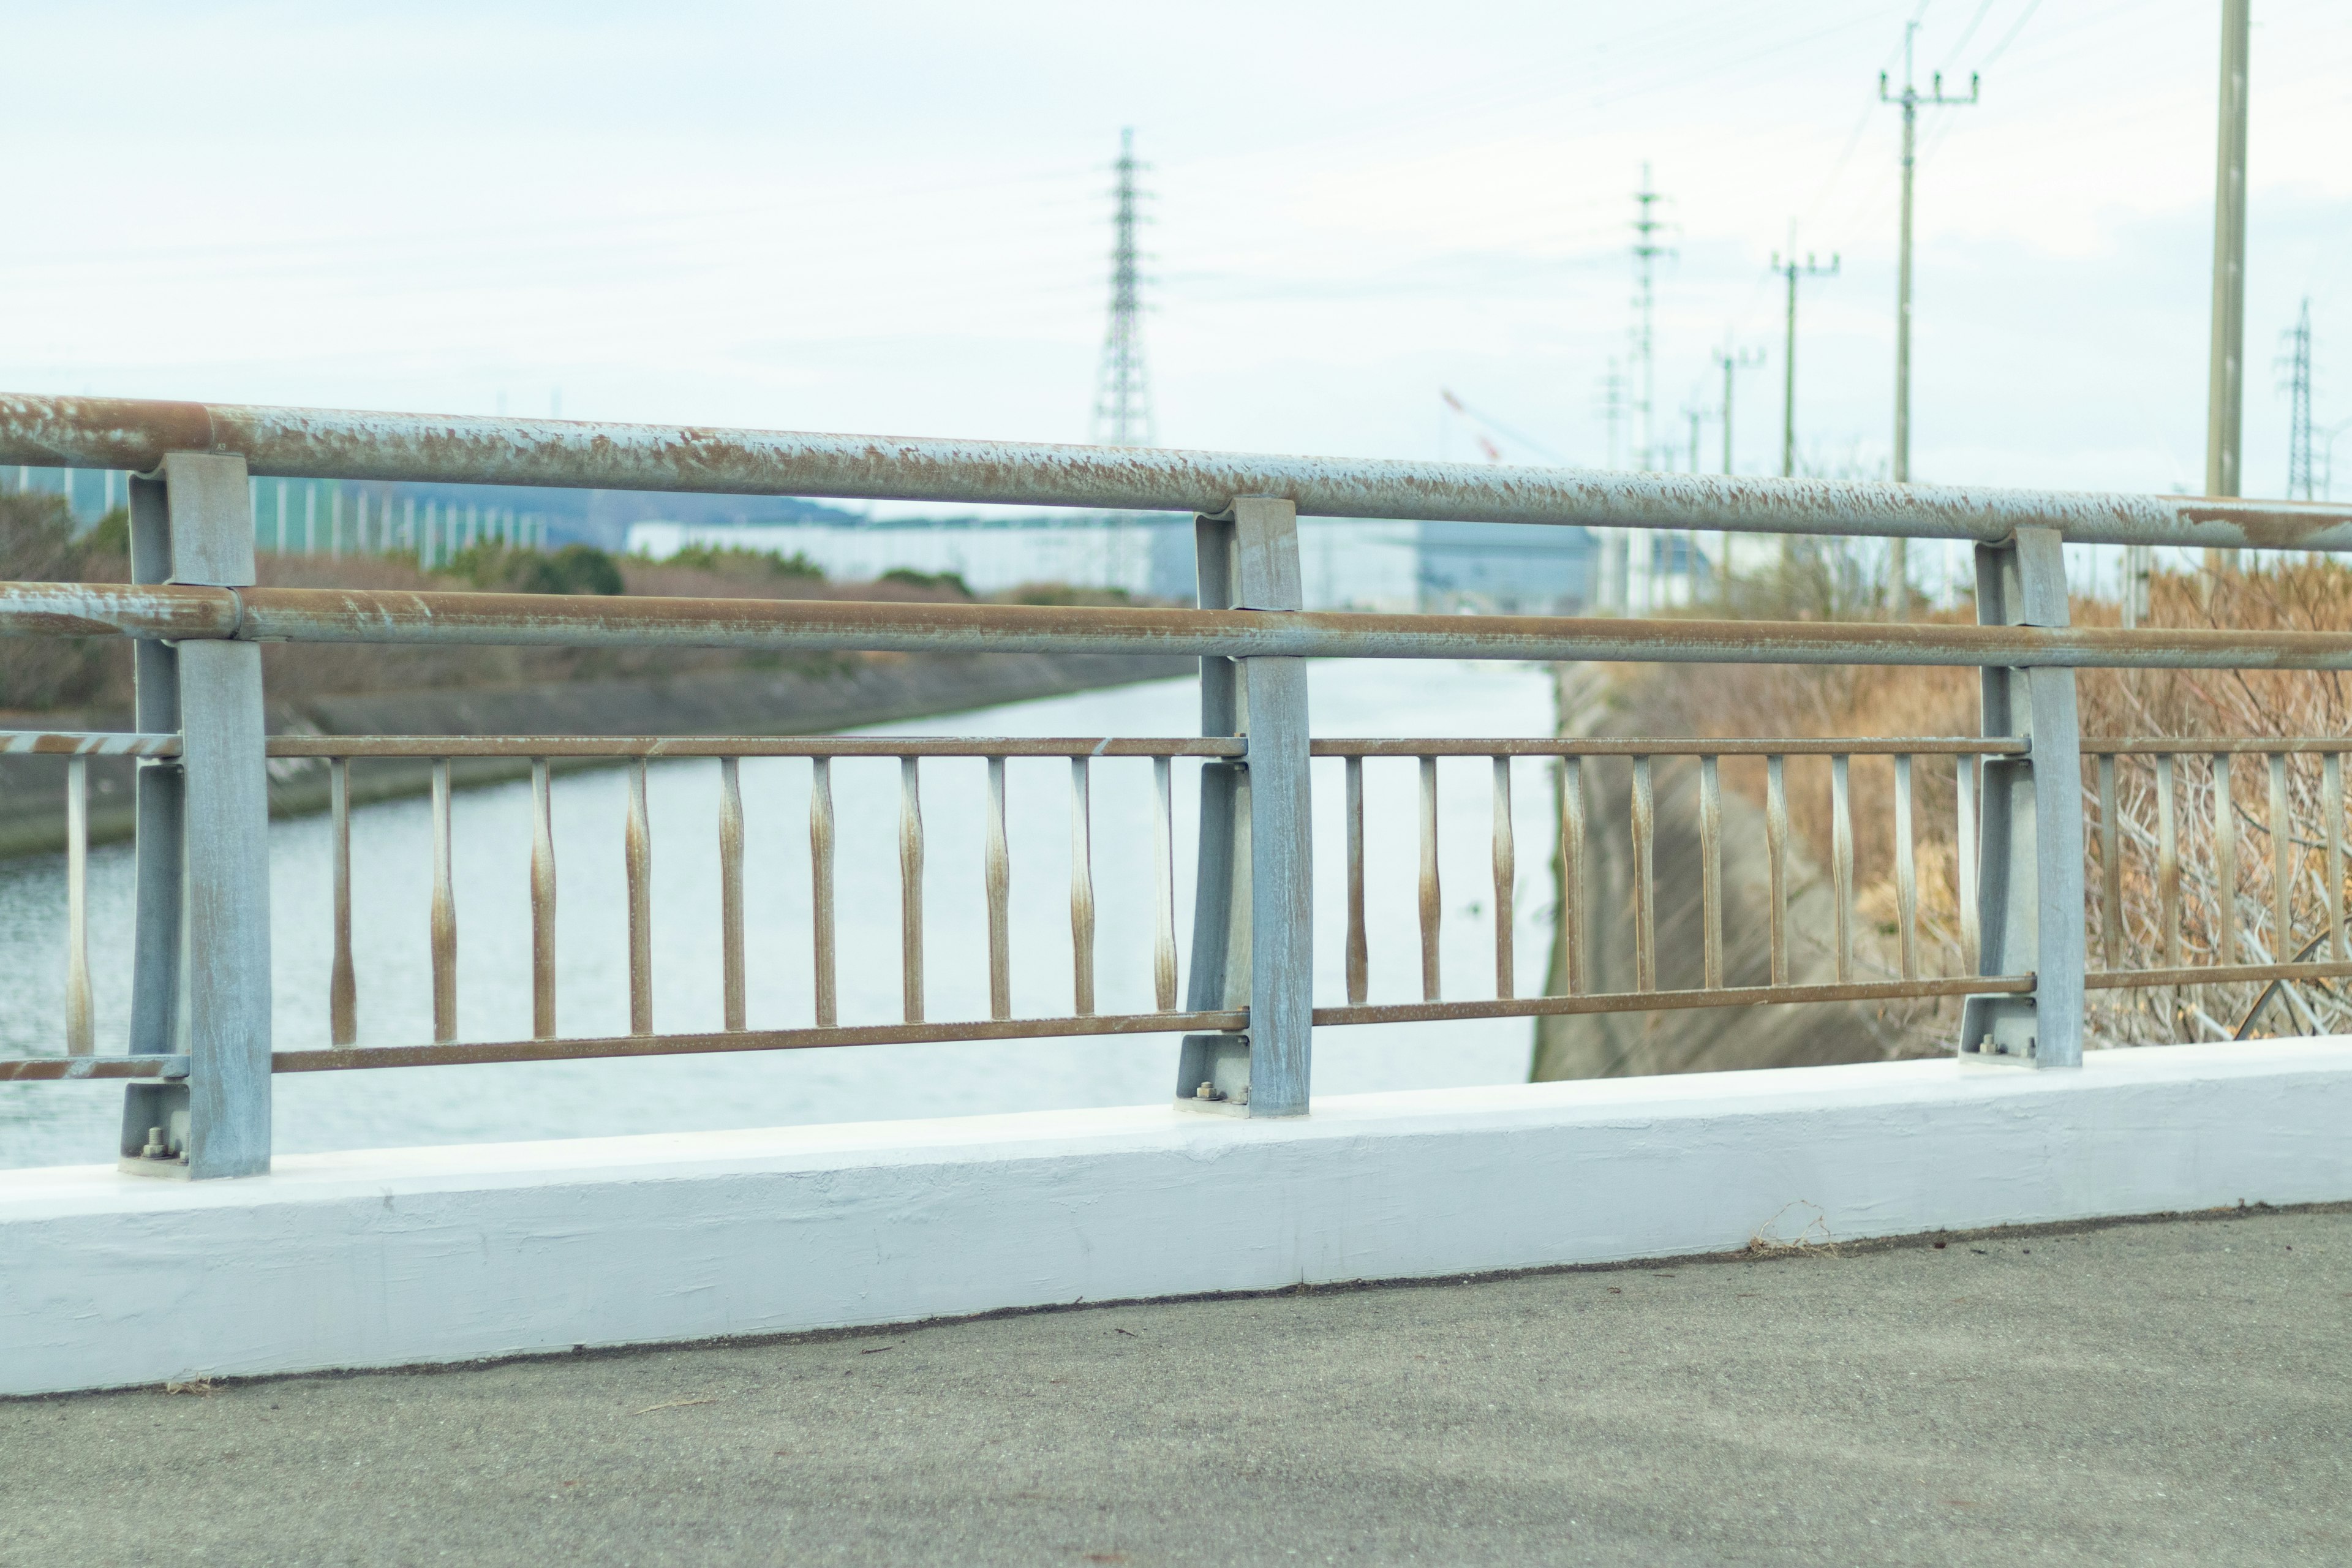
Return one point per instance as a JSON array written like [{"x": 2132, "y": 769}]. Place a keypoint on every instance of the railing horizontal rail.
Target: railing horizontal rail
[
  {"x": 86, "y": 743},
  {"x": 1744, "y": 746},
  {"x": 356, "y": 615},
  {"x": 328, "y": 444},
  {"x": 29, "y": 1070},
  {"x": 2215, "y": 746},
  {"x": 1670, "y": 1001},
  {"x": 660, "y": 746},
  {"x": 2215, "y": 975}
]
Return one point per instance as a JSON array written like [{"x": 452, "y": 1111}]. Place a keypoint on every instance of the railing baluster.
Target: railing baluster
[
  {"x": 2281, "y": 864},
  {"x": 1906, "y": 871},
  {"x": 911, "y": 888},
  {"x": 1965, "y": 859},
  {"x": 639, "y": 848},
  {"x": 821, "y": 888},
  {"x": 1645, "y": 888},
  {"x": 997, "y": 873},
  {"x": 2225, "y": 863},
  {"x": 2167, "y": 860},
  {"x": 1507, "y": 877},
  {"x": 445, "y": 913},
  {"x": 1358, "y": 954},
  {"x": 1710, "y": 871},
  {"x": 81, "y": 1038},
  {"x": 1163, "y": 871},
  {"x": 2331, "y": 806},
  {"x": 1776, "y": 851},
  {"x": 730, "y": 889},
  {"x": 1082, "y": 889},
  {"x": 2111, "y": 868},
  {"x": 1432, "y": 906},
  {"x": 543, "y": 900},
  {"x": 1573, "y": 928},
  {"x": 1841, "y": 862},
  {"x": 342, "y": 978}
]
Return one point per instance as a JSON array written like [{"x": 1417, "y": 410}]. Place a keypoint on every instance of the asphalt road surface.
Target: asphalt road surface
[{"x": 2148, "y": 1393}]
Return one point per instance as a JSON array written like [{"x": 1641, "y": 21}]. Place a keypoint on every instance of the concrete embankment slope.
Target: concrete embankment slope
[{"x": 805, "y": 697}]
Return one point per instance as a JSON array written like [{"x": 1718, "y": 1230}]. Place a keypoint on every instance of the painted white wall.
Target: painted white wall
[{"x": 449, "y": 1253}]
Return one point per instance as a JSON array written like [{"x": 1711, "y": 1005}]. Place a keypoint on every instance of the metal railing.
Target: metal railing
[{"x": 199, "y": 1048}]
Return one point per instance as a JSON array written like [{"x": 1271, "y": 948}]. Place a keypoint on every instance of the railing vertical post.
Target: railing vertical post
[
  {"x": 2030, "y": 840},
  {"x": 218, "y": 1122},
  {"x": 1253, "y": 942}
]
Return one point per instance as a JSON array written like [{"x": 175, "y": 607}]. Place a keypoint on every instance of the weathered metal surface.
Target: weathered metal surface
[
  {"x": 1776, "y": 854},
  {"x": 342, "y": 977},
  {"x": 542, "y": 900},
  {"x": 1432, "y": 901},
  {"x": 2215, "y": 974},
  {"x": 472, "y": 1051},
  {"x": 52, "y": 1069},
  {"x": 1505, "y": 860},
  {"x": 1646, "y": 885},
  {"x": 2215, "y": 745},
  {"x": 1163, "y": 886},
  {"x": 1669, "y": 1001},
  {"x": 638, "y": 855},
  {"x": 1710, "y": 850},
  {"x": 1573, "y": 862},
  {"x": 1358, "y": 948},
  {"x": 80, "y": 1037},
  {"x": 86, "y": 743},
  {"x": 465, "y": 619},
  {"x": 1906, "y": 876},
  {"x": 658, "y": 747},
  {"x": 1712, "y": 746},
  {"x": 445, "y": 913},
  {"x": 996, "y": 874},
  {"x": 911, "y": 888},
  {"x": 821, "y": 923},
  {"x": 1082, "y": 890},
  {"x": 2331, "y": 806},
  {"x": 731, "y": 892},
  {"x": 327, "y": 444},
  {"x": 1281, "y": 836}
]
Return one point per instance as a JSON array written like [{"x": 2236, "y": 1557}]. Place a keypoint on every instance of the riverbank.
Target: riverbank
[{"x": 802, "y": 697}]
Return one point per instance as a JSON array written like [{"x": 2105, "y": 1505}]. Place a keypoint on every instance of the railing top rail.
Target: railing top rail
[
  {"x": 332, "y": 444},
  {"x": 558, "y": 620},
  {"x": 664, "y": 746}
]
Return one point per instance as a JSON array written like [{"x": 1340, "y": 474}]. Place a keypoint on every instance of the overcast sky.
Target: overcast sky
[{"x": 895, "y": 217}]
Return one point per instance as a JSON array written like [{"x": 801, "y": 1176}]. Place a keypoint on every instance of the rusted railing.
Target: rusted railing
[{"x": 200, "y": 1049}]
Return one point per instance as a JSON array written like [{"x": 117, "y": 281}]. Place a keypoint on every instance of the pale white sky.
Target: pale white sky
[{"x": 895, "y": 217}]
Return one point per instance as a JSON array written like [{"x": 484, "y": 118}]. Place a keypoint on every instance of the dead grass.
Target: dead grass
[{"x": 1821, "y": 701}]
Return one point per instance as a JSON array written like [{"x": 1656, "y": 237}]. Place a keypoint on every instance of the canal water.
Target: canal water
[{"x": 59, "y": 1123}]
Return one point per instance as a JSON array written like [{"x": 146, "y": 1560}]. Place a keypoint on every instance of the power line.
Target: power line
[{"x": 1122, "y": 395}]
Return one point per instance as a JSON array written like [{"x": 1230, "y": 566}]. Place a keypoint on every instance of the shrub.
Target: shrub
[
  {"x": 739, "y": 560},
  {"x": 908, "y": 576},
  {"x": 575, "y": 569}
]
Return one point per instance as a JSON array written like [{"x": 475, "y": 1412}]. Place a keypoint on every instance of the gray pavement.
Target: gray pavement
[{"x": 2154, "y": 1393}]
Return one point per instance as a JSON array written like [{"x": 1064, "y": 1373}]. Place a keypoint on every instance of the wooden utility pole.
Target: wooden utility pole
[{"x": 1794, "y": 269}]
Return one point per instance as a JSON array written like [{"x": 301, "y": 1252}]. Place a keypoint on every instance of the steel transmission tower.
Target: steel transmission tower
[
  {"x": 1123, "y": 392},
  {"x": 1647, "y": 251},
  {"x": 2299, "y": 478}
]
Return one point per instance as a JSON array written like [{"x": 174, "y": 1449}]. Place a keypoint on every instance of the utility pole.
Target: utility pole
[
  {"x": 1730, "y": 360},
  {"x": 2299, "y": 476},
  {"x": 2225, "y": 383},
  {"x": 1647, "y": 251},
  {"x": 1123, "y": 395},
  {"x": 1794, "y": 269},
  {"x": 1898, "y": 570}
]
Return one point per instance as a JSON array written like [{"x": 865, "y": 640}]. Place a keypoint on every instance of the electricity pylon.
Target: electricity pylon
[{"x": 1123, "y": 394}]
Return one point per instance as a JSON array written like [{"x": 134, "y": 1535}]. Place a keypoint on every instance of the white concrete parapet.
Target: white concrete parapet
[{"x": 390, "y": 1258}]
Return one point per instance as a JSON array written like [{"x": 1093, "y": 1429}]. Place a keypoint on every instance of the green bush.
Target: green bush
[
  {"x": 575, "y": 569},
  {"x": 908, "y": 575},
  {"x": 737, "y": 560}
]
